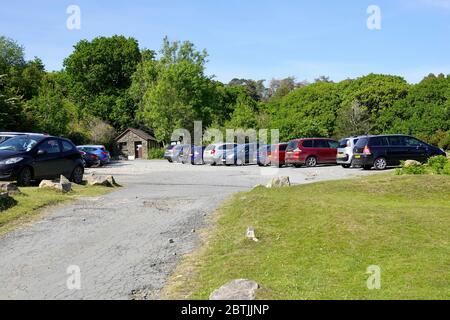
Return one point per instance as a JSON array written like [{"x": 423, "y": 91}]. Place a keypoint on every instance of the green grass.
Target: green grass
[
  {"x": 317, "y": 241},
  {"x": 32, "y": 200}
]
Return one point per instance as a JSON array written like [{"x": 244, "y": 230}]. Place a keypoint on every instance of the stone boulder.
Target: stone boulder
[
  {"x": 6, "y": 201},
  {"x": 236, "y": 290},
  {"x": 411, "y": 163},
  {"x": 10, "y": 188},
  {"x": 106, "y": 181},
  {"x": 279, "y": 182},
  {"x": 62, "y": 185}
]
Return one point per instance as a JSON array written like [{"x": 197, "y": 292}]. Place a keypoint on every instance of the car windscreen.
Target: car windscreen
[
  {"x": 4, "y": 138},
  {"x": 344, "y": 143},
  {"x": 362, "y": 142},
  {"x": 292, "y": 145},
  {"x": 21, "y": 144}
]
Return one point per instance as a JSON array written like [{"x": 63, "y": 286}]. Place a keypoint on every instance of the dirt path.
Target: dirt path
[{"x": 126, "y": 243}]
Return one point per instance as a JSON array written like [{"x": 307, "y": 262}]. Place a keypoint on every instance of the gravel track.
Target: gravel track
[{"x": 128, "y": 242}]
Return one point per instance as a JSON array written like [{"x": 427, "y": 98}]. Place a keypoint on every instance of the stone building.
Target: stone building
[{"x": 135, "y": 143}]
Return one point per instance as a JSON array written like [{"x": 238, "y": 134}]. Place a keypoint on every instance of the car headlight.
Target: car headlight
[{"x": 11, "y": 161}]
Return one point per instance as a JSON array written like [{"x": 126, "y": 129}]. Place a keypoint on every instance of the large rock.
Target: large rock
[
  {"x": 62, "y": 185},
  {"x": 106, "y": 181},
  {"x": 411, "y": 163},
  {"x": 279, "y": 182},
  {"x": 6, "y": 201},
  {"x": 10, "y": 188},
  {"x": 236, "y": 290}
]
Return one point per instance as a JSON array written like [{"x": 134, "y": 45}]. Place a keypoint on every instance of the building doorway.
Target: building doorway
[{"x": 138, "y": 149}]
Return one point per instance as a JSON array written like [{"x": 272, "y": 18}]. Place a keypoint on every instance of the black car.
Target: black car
[
  {"x": 389, "y": 150},
  {"x": 36, "y": 157},
  {"x": 90, "y": 159}
]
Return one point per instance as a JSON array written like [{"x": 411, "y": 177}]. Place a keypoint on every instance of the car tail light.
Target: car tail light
[
  {"x": 367, "y": 151},
  {"x": 94, "y": 157},
  {"x": 104, "y": 153},
  {"x": 213, "y": 152},
  {"x": 82, "y": 153}
]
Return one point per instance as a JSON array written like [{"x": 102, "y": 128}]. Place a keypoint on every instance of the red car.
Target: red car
[
  {"x": 311, "y": 152},
  {"x": 278, "y": 156}
]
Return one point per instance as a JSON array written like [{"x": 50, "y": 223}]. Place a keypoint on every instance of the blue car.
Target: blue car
[
  {"x": 197, "y": 155},
  {"x": 99, "y": 151}
]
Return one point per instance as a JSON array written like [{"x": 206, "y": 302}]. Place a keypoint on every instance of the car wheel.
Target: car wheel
[
  {"x": 311, "y": 162},
  {"x": 77, "y": 175},
  {"x": 380, "y": 163},
  {"x": 24, "y": 177}
]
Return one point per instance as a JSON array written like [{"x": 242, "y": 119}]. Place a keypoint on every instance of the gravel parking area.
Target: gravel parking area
[{"x": 128, "y": 242}]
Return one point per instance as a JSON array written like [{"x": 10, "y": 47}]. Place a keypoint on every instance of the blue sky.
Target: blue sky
[{"x": 258, "y": 39}]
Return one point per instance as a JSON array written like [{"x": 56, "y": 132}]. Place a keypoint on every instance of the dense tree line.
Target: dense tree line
[{"x": 110, "y": 83}]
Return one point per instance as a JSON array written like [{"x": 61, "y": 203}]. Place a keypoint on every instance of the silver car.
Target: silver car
[
  {"x": 345, "y": 151},
  {"x": 215, "y": 153}
]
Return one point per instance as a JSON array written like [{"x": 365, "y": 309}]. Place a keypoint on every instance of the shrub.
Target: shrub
[
  {"x": 156, "y": 154},
  {"x": 437, "y": 164},
  {"x": 446, "y": 169},
  {"x": 414, "y": 169}
]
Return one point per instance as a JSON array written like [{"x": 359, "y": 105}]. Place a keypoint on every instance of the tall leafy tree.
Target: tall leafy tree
[
  {"x": 101, "y": 72},
  {"x": 177, "y": 91}
]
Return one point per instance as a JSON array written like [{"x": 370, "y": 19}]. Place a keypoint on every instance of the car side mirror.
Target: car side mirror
[{"x": 41, "y": 152}]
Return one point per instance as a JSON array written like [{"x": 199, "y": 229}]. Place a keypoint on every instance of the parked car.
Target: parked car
[
  {"x": 196, "y": 155},
  {"x": 8, "y": 135},
  {"x": 311, "y": 152},
  {"x": 184, "y": 154},
  {"x": 215, "y": 153},
  {"x": 241, "y": 155},
  {"x": 389, "y": 150},
  {"x": 100, "y": 151},
  {"x": 175, "y": 154},
  {"x": 278, "y": 155},
  {"x": 36, "y": 157},
  {"x": 90, "y": 159},
  {"x": 264, "y": 155},
  {"x": 168, "y": 154},
  {"x": 345, "y": 151}
]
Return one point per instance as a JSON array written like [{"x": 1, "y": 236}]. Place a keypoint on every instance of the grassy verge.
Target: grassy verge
[
  {"x": 317, "y": 241},
  {"x": 32, "y": 200}
]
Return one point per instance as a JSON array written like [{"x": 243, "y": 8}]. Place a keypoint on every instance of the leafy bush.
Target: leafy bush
[
  {"x": 156, "y": 154},
  {"x": 437, "y": 164},
  {"x": 446, "y": 169},
  {"x": 412, "y": 169}
]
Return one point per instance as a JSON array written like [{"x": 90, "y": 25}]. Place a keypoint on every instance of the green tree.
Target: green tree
[
  {"x": 425, "y": 110},
  {"x": 353, "y": 121},
  {"x": 100, "y": 72},
  {"x": 10, "y": 109},
  {"x": 175, "y": 90},
  {"x": 307, "y": 112},
  {"x": 50, "y": 111},
  {"x": 245, "y": 114}
]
